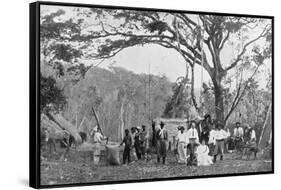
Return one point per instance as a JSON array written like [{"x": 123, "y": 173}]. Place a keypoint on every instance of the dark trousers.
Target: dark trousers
[
  {"x": 205, "y": 137},
  {"x": 191, "y": 146},
  {"x": 163, "y": 159},
  {"x": 126, "y": 155},
  {"x": 211, "y": 148},
  {"x": 138, "y": 151},
  {"x": 161, "y": 150},
  {"x": 238, "y": 143}
]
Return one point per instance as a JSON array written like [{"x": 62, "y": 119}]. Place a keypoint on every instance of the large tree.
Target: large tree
[{"x": 200, "y": 39}]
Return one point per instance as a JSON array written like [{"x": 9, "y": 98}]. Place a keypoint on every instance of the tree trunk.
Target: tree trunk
[
  {"x": 264, "y": 124},
  {"x": 121, "y": 120},
  {"x": 219, "y": 107},
  {"x": 192, "y": 89}
]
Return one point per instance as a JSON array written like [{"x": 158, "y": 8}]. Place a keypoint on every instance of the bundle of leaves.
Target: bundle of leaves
[{"x": 51, "y": 96}]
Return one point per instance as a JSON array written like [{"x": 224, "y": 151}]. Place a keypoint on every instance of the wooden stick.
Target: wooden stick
[{"x": 96, "y": 117}]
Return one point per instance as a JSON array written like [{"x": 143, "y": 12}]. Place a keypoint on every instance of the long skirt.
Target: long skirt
[
  {"x": 182, "y": 152},
  {"x": 219, "y": 149},
  {"x": 134, "y": 154},
  {"x": 204, "y": 160},
  {"x": 161, "y": 148}
]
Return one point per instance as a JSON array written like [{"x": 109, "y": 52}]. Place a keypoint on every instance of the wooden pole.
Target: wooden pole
[
  {"x": 76, "y": 121},
  {"x": 98, "y": 123}
]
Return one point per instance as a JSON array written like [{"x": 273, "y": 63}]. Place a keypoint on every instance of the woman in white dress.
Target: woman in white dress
[
  {"x": 181, "y": 145},
  {"x": 203, "y": 158}
]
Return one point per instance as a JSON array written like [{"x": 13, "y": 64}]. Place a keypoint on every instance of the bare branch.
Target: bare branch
[
  {"x": 239, "y": 57},
  {"x": 224, "y": 40},
  {"x": 239, "y": 95},
  {"x": 189, "y": 23},
  {"x": 189, "y": 20}
]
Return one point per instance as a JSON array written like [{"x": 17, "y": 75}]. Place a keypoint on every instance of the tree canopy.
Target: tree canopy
[{"x": 96, "y": 34}]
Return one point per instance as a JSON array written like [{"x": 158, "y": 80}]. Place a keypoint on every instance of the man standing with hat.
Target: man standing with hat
[
  {"x": 137, "y": 142},
  {"x": 144, "y": 142},
  {"x": 97, "y": 138},
  {"x": 238, "y": 135},
  {"x": 193, "y": 139},
  {"x": 162, "y": 138},
  {"x": 220, "y": 137}
]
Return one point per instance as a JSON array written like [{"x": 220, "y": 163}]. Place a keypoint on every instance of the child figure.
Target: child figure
[{"x": 203, "y": 158}]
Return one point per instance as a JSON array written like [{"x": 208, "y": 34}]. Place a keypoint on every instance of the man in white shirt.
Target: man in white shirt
[
  {"x": 220, "y": 137},
  {"x": 238, "y": 130},
  {"x": 253, "y": 137},
  {"x": 193, "y": 139},
  {"x": 97, "y": 139}
]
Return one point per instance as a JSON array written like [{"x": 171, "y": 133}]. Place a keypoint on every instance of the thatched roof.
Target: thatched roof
[{"x": 57, "y": 123}]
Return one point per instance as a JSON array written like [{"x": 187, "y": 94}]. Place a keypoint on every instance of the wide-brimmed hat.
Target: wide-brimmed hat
[
  {"x": 207, "y": 115},
  {"x": 180, "y": 127},
  {"x": 192, "y": 121},
  {"x": 138, "y": 128}
]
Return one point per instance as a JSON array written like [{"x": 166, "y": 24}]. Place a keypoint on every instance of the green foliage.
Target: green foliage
[
  {"x": 106, "y": 91},
  {"x": 51, "y": 97},
  {"x": 179, "y": 104},
  {"x": 65, "y": 52},
  {"x": 157, "y": 26},
  {"x": 58, "y": 40}
]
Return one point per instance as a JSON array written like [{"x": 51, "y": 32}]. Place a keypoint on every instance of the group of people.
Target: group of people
[
  {"x": 211, "y": 141},
  {"x": 201, "y": 143},
  {"x": 136, "y": 143}
]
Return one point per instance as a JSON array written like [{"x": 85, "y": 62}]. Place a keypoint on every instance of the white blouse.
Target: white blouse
[
  {"x": 182, "y": 137},
  {"x": 192, "y": 133}
]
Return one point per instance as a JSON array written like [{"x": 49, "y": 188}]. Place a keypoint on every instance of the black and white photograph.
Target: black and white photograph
[{"x": 139, "y": 94}]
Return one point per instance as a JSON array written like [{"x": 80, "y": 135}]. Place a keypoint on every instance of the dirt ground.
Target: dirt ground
[{"x": 79, "y": 169}]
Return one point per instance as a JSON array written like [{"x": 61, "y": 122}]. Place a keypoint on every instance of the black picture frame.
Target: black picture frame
[{"x": 34, "y": 97}]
